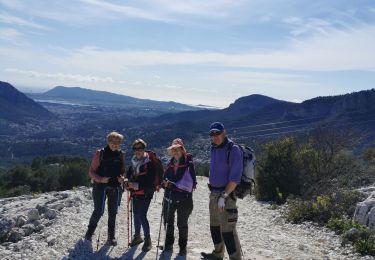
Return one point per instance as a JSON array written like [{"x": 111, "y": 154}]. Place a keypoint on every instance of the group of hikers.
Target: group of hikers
[{"x": 146, "y": 174}]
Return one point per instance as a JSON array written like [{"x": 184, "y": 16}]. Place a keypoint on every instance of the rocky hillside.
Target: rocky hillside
[
  {"x": 15, "y": 106},
  {"x": 51, "y": 226}
]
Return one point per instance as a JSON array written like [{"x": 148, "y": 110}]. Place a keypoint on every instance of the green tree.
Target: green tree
[
  {"x": 278, "y": 175},
  {"x": 73, "y": 175},
  {"x": 18, "y": 176}
]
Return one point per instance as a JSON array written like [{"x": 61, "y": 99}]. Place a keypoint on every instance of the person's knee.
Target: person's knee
[{"x": 97, "y": 213}]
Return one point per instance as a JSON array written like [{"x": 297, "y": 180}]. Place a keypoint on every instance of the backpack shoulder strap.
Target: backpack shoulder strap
[
  {"x": 101, "y": 154},
  {"x": 151, "y": 155},
  {"x": 189, "y": 157},
  {"x": 229, "y": 149}
]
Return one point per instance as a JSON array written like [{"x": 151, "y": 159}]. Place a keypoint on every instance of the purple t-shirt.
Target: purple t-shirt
[{"x": 222, "y": 172}]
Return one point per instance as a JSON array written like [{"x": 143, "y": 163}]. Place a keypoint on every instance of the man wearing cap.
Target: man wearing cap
[{"x": 225, "y": 173}]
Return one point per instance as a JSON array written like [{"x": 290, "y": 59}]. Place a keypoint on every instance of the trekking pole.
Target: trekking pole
[
  {"x": 243, "y": 257},
  {"x": 101, "y": 222},
  {"x": 131, "y": 215},
  {"x": 97, "y": 241},
  {"x": 167, "y": 219},
  {"x": 169, "y": 200},
  {"x": 127, "y": 210},
  {"x": 161, "y": 218}
]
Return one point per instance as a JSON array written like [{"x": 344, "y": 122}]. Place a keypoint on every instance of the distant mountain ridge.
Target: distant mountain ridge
[
  {"x": 103, "y": 98},
  {"x": 255, "y": 117},
  {"x": 261, "y": 109},
  {"x": 15, "y": 106},
  {"x": 241, "y": 107}
]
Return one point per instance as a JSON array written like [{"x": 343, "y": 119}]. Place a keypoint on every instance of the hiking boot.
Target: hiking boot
[
  {"x": 137, "y": 239},
  {"x": 182, "y": 251},
  {"x": 211, "y": 256},
  {"x": 111, "y": 241},
  {"x": 147, "y": 244},
  {"x": 168, "y": 248},
  {"x": 89, "y": 234}
]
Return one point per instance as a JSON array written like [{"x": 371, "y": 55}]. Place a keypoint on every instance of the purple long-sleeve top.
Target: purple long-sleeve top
[{"x": 222, "y": 170}]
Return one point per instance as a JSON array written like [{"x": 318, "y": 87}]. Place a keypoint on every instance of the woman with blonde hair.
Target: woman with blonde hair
[{"x": 107, "y": 172}]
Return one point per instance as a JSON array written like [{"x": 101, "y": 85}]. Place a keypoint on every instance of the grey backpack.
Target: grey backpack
[{"x": 247, "y": 183}]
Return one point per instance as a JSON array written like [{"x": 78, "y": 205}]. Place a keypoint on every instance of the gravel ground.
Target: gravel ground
[{"x": 263, "y": 232}]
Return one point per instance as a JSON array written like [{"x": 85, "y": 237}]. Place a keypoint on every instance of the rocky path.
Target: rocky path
[{"x": 50, "y": 226}]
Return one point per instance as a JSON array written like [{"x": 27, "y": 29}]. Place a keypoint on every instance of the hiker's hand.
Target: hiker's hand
[
  {"x": 121, "y": 179},
  {"x": 168, "y": 184},
  {"x": 104, "y": 179},
  {"x": 221, "y": 204},
  {"x": 125, "y": 183},
  {"x": 133, "y": 185}
]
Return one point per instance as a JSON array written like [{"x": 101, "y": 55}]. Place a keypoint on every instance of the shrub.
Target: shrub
[
  {"x": 314, "y": 210},
  {"x": 18, "y": 191},
  {"x": 342, "y": 225},
  {"x": 73, "y": 175},
  {"x": 369, "y": 155},
  {"x": 365, "y": 246},
  {"x": 202, "y": 169},
  {"x": 45, "y": 174},
  {"x": 323, "y": 208},
  {"x": 277, "y": 175},
  {"x": 362, "y": 239}
]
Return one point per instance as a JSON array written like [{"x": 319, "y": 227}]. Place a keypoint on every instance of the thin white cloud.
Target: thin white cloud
[
  {"x": 301, "y": 26},
  {"x": 83, "y": 12},
  {"x": 258, "y": 79},
  {"x": 62, "y": 76},
  {"x": 126, "y": 10},
  {"x": 14, "y": 20},
  {"x": 198, "y": 13},
  {"x": 10, "y": 35},
  {"x": 334, "y": 50}
]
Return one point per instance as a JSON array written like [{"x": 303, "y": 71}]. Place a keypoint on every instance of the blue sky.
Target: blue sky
[{"x": 192, "y": 51}]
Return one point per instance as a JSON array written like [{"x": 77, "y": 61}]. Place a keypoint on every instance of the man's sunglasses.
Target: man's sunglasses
[
  {"x": 215, "y": 133},
  {"x": 138, "y": 149}
]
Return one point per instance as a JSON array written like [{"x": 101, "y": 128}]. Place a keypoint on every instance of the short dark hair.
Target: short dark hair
[{"x": 139, "y": 141}]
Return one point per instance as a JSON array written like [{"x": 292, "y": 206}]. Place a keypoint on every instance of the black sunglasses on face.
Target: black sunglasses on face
[
  {"x": 138, "y": 149},
  {"x": 215, "y": 133}
]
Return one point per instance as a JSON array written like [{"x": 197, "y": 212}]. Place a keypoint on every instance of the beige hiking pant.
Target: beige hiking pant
[{"x": 223, "y": 227}]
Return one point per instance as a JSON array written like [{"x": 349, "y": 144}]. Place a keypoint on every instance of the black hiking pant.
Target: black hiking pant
[
  {"x": 100, "y": 193},
  {"x": 184, "y": 207}
]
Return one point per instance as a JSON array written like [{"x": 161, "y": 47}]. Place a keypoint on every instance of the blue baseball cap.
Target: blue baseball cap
[{"x": 216, "y": 127}]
